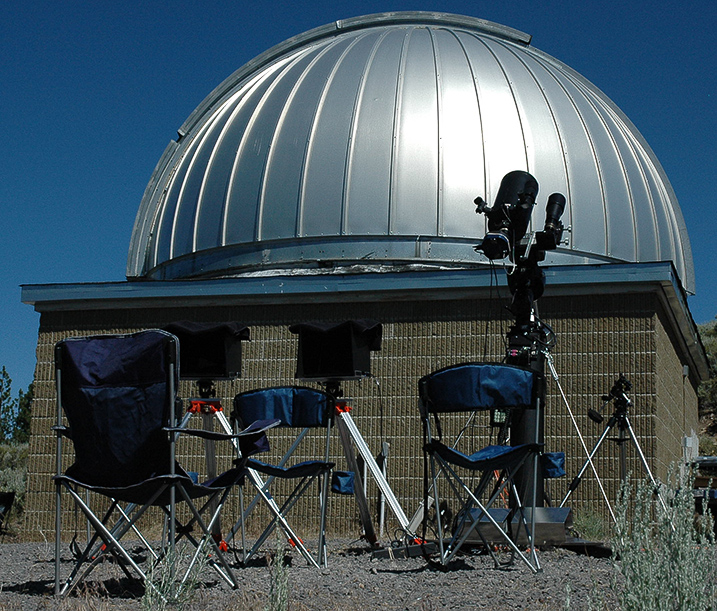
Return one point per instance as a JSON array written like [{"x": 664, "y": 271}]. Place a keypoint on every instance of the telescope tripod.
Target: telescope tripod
[
  {"x": 621, "y": 420},
  {"x": 348, "y": 433}
]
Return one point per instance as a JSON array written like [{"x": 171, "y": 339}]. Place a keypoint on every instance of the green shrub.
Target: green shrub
[
  {"x": 590, "y": 525},
  {"x": 279, "y": 584},
  {"x": 13, "y": 472},
  {"x": 164, "y": 588},
  {"x": 668, "y": 563},
  {"x": 708, "y": 445}
]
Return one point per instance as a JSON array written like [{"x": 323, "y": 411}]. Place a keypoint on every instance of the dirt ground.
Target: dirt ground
[{"x": 356, "y": 579}]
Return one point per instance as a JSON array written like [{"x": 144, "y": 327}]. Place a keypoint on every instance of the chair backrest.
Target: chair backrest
[
  {"x": 478, "y": 386},
  {"x": 117, "y": 392},
  {"x": 295, "y": 406}
]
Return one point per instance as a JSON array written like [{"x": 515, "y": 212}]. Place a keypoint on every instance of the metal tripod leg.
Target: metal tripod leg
[
  {"x": 211, "y": 461},
  {"x": 344, "y": 420},
  {"x": 554, "y": 373},
  {"x": 589, "y": 461},
  {"x": 647, "y": 468},
  {"x": 359, "y": 493}
]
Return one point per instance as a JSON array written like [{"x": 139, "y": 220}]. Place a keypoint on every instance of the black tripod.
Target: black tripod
[{"x": 619, "y": 418}]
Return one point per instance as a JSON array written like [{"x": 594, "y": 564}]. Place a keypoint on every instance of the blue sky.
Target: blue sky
[{"x": 92, "y": 92}]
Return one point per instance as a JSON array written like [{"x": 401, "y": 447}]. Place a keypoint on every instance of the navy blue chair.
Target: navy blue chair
[
  {"x": 479, "y": 387},
  {"x": 303, "y": 409},
  {"x": 118, "y": 394}
]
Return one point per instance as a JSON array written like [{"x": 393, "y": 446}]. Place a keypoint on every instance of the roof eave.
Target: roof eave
[{"x": 283, "y": 286}]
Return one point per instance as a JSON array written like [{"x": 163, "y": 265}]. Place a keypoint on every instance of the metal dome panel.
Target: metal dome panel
[{"x": 367, "y": 141}]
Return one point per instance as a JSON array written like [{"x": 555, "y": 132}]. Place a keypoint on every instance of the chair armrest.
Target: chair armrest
[
  {"x": 255, "y": 428},
  {"x": 259, "y": 426},
  {"x": 65, "y": 431},
  {"x": 214, "y": 436}
]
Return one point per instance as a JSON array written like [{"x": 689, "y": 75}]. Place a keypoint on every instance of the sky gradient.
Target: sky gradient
[{"x": 92, "y": 92}]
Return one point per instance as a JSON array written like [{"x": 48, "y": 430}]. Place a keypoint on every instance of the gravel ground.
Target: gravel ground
[{"x": 355, "y": 579}]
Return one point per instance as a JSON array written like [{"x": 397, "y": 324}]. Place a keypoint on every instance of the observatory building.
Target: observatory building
[{"x": 333, "y": 178}]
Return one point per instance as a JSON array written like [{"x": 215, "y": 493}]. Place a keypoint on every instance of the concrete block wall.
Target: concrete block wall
[
  {"x": 674, "y": 417},
  {"x": 598, "y": 337}
]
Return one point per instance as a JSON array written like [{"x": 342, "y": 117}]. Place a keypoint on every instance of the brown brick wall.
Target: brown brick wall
[{"x": 598, "y": 338}]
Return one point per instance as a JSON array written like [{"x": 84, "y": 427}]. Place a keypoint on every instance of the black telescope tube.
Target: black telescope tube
[{"x": 553, "y": 211}]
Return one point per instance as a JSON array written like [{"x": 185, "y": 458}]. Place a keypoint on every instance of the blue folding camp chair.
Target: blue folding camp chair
[
  {"x": 119, "y": 396},
  {"x": 476, "y": 387},
  {"x": 296, "y": 408}
]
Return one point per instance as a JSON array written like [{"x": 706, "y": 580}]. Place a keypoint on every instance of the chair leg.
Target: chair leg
[
  {"x": 221, "y": 567},
  {"x": 460, "y": 489},
  {"x": 283, "y": 510},
  {"x": 529, "y": 534},
  {"x": 243, "y": 524},
  {"x": 472, "y": 499},
  {"x": 125, "y": 518},
  {"x": 278, "y": 518},
  {"x": 323, "y": 559},
  {"x": 436, "y": 504},
  {"x": 58, "y": 530},
  {"x": 109, "y": 539},
  {"x": 124, "y": 524}
]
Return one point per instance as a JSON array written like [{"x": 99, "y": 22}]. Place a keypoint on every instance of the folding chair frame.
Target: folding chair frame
[
  {"x": 108, "y": 532},
  {"x": 255, "y": 478},
  {"x": 448, "y": 552},
  {"x": 279, "y": 513},
  {"x": 471, "y": 498}
]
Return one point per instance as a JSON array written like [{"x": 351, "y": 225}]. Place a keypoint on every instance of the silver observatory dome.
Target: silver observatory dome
[{"x": 364, "y": 142}]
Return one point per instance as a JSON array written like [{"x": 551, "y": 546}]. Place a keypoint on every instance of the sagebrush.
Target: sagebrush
[
  {"x": 666, "y": 558},
  {"x": 13, "y": 472}
]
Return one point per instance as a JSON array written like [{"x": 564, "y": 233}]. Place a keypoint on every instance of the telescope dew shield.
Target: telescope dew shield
[{"x": 509, "y": 217}]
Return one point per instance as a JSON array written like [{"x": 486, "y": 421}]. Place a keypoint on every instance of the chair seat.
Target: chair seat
[
  {"x": 309, "y": 468},
  {"x": 489, "y": 458},
  {"x": 141, "y": 492}
]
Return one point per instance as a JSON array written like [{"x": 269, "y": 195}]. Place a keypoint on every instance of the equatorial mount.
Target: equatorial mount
[
  {"x": 507, "y": 236},
  {"x": 617, "y": 394}
]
